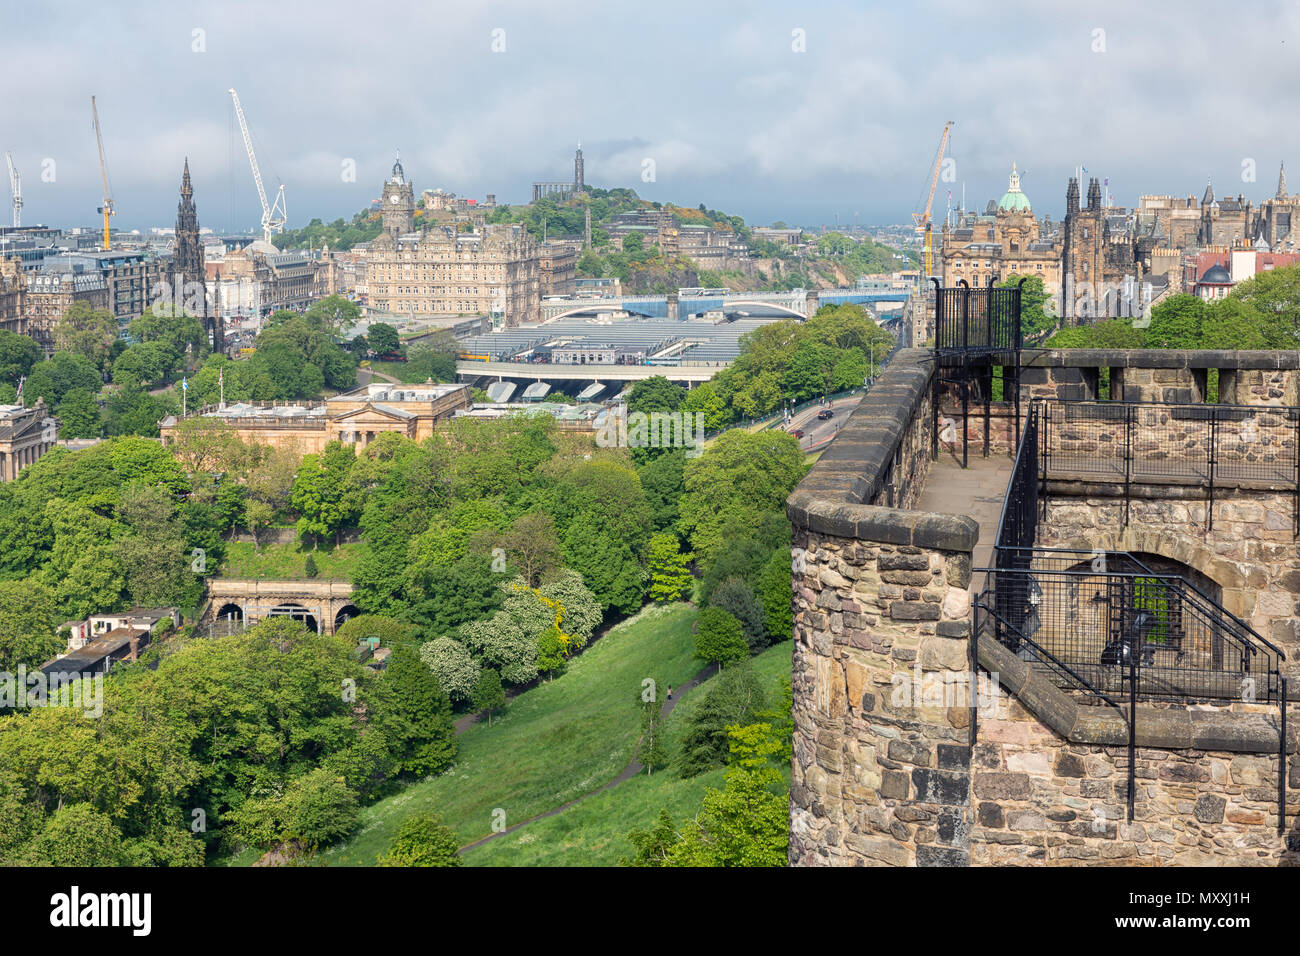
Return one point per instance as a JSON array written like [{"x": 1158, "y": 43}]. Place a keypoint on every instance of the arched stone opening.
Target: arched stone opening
[
  {"x": 230, "y": 612},
  {"x": 298, "y": 613},
  {"x": 346, "y": 613}
]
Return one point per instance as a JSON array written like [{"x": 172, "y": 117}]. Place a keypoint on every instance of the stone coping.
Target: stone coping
[
  {"x": 1173, "y": 728},
  {"x": 834, "y": 497},
  {"x": 1159, "y": 358}
]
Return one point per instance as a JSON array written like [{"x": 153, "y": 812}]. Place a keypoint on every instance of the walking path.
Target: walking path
[{"x": 631, "y": 770}]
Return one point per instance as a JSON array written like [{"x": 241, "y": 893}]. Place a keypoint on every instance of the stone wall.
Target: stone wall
[{"x": 880, "y": 774}]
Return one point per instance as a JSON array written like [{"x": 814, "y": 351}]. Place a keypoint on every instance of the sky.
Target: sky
[{"x": 808, "y": 113}]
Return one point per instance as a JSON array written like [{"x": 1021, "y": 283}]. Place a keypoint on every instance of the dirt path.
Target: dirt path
[{"x": 631, "y": 770}]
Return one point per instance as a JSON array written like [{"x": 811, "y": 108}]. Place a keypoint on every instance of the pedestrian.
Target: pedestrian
[{"x": 670, "y": 691}]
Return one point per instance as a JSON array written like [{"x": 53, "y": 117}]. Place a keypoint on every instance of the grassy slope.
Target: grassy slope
[
  {"x": 554, "y": 743},
  {"x": 594, "y": 833},
  {"x": 287, "y": 561}
]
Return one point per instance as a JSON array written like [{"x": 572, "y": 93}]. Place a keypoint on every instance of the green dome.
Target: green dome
[{"x": 1013, "y": 200}]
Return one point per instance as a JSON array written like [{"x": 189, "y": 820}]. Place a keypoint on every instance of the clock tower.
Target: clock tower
[{"x": 398, "y": 202}]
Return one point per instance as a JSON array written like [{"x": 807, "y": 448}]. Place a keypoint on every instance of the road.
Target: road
[{"x": 817, "y": 434}]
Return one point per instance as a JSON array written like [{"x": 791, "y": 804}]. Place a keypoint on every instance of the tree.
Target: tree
[
  {"x": 423, "y": 734},
  {"x": 1034, "y": 317},
  {"x": 154, "y": 555},
  {"x": 27, "y": 623},
  {"x": 719, "y": 637},
  {"x": 88, "y": 332},
  {"x": 78, "y": 415},
  {"x": 741, "y": 476},
  {"x": 531, "y": 546},
  {"x": 607, "y": 563},
  {"x": 489, "y": 695},
  {"x": 734, "y": 596},
  {"x": 333, "y": 314},
  {"x": 503, "y": 645},
  {"x": 77, "y": 836},
  {"x": 383, "y": 338},
  {"x": 322, "y": 494},
  {"x": 651, "y": 751},
  {"x": 733, "y": 698},
  {"x": 775, "y": 590},
  {"x": 422, "y": 840},
  {"x": 311, "y": 810},
  {"x": 457, "y": 672},
  {"x": 53, "y": 379},
  {"x": 18, "y": 355},
  {"x": 670, "y": 578}
]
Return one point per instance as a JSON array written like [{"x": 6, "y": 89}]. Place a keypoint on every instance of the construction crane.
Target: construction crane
[
  {"x": 16, "y": 187},
  {"x": 274, "y": 215},
  {"x": 922, "y": 220},
  {"x": 107, "y": 208}
]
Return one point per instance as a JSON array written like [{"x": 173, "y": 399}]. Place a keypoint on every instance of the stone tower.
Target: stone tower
[
  {"x": 398, "y": 200},
  {"x": 1281, "y": 183},
  {"x": 1082, "y": 254},
  {"x": 187, "y": 273},
  {"x": 579, "y": 184}
]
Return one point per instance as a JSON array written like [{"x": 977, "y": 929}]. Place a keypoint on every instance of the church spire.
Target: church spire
[
  {"x": 1281, "y": 183},
  {"x": 1209, "y": 193}
]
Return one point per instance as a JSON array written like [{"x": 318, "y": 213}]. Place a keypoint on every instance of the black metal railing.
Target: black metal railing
[
  {"x": 976, "y": 320},
  {"x": 1208, "y": 446}
]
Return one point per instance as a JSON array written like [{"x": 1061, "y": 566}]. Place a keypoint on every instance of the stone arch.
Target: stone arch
[
  {"x": 1229, "y": 583},
  {"x": 230, "y": 611},
  {"x": 344, "y": 614},
  {"x": 298, "y": 613}
]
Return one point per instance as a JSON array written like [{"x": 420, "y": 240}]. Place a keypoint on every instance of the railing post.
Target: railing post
[
  {"x": 1132, "y": 714},
  {"x": 1214, "y": 434},
  {"x": 1281, "y": 762},
  {"x": 1128, "y": 457}
]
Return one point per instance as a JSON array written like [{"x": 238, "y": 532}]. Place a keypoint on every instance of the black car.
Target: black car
[{"x": 824, "y": 414}]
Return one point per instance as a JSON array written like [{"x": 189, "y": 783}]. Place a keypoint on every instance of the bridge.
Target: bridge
[
  {"x": 320, "y": 604},
  {"x": 1056, "y": 629},
  {"x": 797, "y": 304}
]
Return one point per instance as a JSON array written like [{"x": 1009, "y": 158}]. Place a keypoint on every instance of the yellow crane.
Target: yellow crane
[
  {"x": 922, "y": 220},
  {"x": 107, "y": 208}
]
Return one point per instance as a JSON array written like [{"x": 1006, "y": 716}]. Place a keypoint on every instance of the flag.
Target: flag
[
  {"x": 185, "y": 385},
  {"x": 221, "y": 377}
]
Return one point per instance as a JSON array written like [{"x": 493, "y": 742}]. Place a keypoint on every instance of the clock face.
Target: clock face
[{"x": 394, "y": 199}]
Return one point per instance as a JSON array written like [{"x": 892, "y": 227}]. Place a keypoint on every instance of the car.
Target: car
[
  {"x": 797, "y": 433},
  {"x": 825, "y": 414}
]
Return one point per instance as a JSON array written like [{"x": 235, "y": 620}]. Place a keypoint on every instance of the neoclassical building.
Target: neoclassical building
[{"x": 25, "y": 435}]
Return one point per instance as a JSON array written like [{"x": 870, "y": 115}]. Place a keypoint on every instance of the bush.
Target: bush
[
  {"x": 423, "y": 840},
  {"x": 451, "y": 663}
]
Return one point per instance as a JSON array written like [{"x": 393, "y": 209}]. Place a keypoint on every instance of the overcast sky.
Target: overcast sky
[{"x": 719, "y": 95}]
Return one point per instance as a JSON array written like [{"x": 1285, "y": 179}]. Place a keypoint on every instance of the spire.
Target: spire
[
  {"x": 187, "y": 189},
  {"x": 399, "y": 174},
  {"x": 1209, "y": 193},
  {"x": 1281, "y": 183}
]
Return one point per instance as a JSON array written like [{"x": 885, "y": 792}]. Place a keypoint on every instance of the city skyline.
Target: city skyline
[{"x": 842, "y": 109}]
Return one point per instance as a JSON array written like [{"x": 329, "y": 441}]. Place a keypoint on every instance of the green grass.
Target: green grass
[
  {"x": 287, "y": 562},
  {"x": 594, "y": 832},
  {"x": 559, "y": 741}
]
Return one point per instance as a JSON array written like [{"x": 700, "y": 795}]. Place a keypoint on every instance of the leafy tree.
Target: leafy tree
[
  {"x": 489, "y": 695},
  {"x": 457, "y": 672},
  {"x": 383, "y": 338},
  {"x": 78, "y": 415},
  {"x": 388, "y": 630},
  {"x": 653, "y": 845},
  {"x": 313, "y": 810},
  {"x": 775, "y": 591},
  {"x": 734, "y": 698},
  {"x": 552, "y": 651},
  {"x": 663, "y": 481},
  {"x": 531, "y": 546},
  {"x": 608, "y": 565},
  {"x": 54, "y": 378},
  {"x": 719, "y": 637},
  {"x": 333, "y": 315},
  {"x": 79, "y": 836},
  {"x": 18, "y": 355},
  {"x": 424, "y": 736},
  {"x": 322, "y": 494},
  {"x": 1035, "y": 319},
  {"x": 504, "y": 646},
  {"x": 670, "y": 578},
  {"x": 422, "y": 840},
  {"x": 309, "y": 567},
  {"x": 735, "y": 597},
  {"x": 741, "y": 476},
  {"x": 27, "y": 623},
  {"x": 88, "y": 332},
  {"x": 154, "y": 555}
]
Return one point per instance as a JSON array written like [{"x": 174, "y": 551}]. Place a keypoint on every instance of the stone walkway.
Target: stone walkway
[{"x": 977, "y": 491}]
